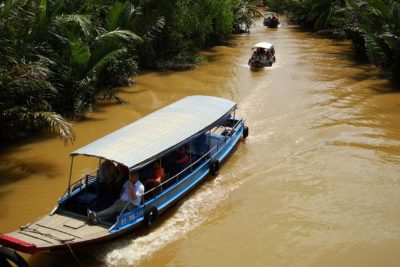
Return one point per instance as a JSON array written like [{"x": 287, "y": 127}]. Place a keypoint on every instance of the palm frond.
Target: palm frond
[
  {"x": 154, "y": 29},
  {"x": 80, "y": 53},
  {"x": 56, "y": 123},
  {"x": 42, "y": 14},
  {"x": 80, "y": 20},
  {"x": 124, "y": 35},
  {"x": 114, "y": 15},
  {"x": 102, "y": 63}
]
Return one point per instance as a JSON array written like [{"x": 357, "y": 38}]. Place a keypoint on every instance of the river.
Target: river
[{"x": 317, "y": 182}]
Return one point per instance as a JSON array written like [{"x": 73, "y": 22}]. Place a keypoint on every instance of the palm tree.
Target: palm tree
[
  {"x": 82, "y": 73},
  {"x": 244, "y": 13},
  {"x": 52, "y": 64},
  {"x": 374, "y": 28},
  {"x": 25, "y": 90}
]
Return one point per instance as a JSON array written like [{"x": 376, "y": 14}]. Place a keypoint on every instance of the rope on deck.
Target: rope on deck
[{"x": 35, "y": 231}]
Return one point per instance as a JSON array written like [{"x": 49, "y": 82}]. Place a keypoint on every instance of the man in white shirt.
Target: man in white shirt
[{"x": 131, "y": 195}]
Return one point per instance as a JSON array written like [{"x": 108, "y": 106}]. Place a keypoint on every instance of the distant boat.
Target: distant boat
[
  {"x": 271, "y": 20},
  {"x": 206, "y": 126},
  {"x": 263, "y": 56}
]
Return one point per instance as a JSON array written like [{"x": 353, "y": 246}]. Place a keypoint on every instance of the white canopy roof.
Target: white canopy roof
[
  {"x": 264, "y": 45},
  {"x": 146, "y": 139}
]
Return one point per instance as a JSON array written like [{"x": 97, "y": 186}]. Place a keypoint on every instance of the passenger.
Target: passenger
[
  {"x": 269, "y": 55},
  {"x": 130, "y": 197},
  {"x": 158, "y": 175},
  {"x": 253, "y": 58},
  {"x": 274, "y": 21},
  {"x": 263, "y": 52},
  {"x": 258, "y": 54},
  {"x": 179, "y": 161},
  {"x": 106, "y": 175},
  {"x": 107, "y": 172},
  {"x": 267, "y": 21},
  {"x": 122, "y": 176}
]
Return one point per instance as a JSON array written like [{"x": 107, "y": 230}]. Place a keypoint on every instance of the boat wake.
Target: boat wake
[{"x": 189, "y": 215}]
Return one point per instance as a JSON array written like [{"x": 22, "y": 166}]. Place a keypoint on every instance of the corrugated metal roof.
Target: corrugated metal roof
[
  {"x": 147, "y": 138},
  {"x": 264, "y": 45}
]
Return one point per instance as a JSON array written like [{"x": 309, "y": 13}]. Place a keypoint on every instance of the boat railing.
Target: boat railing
[
  {"x": 216, "y": 147},
  {"x": 176, "y": 176},
  {"x": 84, "y": 181},
  {"x": 160, "y": 187}
]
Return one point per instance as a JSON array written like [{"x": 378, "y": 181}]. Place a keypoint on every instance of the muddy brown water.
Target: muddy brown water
[{"x": 317, "y": 183}]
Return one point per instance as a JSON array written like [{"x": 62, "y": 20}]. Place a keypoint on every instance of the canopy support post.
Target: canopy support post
[{"x": 70, "y": 175}]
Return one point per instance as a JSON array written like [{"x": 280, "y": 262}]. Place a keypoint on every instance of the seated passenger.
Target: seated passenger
[
  {"x": 122, "y": 176},
  {"x": 106, "y": 175},
  {"x": 157, "y": 176},
  {"x": 179, "y": 161},
  {"x": 267, "y": 21},
  {"x": 107, "y": 171},
  {"x": 255, "y": 57},
  {"x": 274, "y": 21},
  {"x": 269, "y": 55},
  {"x": 130, "y": 197}
]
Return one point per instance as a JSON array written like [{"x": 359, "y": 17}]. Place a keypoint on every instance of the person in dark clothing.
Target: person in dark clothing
[{"x": 179, "y": 161}]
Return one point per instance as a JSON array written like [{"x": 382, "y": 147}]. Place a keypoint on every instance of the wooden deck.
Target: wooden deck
[{"x": 58, "y": 229}]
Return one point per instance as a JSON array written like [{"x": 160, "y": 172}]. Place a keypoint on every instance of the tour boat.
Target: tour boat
[
  {"x": 263, "y": 56},
  {"x": 208, "y": 127},
  {"x": 271, "y": 20}
]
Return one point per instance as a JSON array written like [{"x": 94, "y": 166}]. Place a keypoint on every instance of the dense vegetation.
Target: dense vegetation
[
  {"x": 59, "y": 57},
  {"x": 372, "y": 25}
]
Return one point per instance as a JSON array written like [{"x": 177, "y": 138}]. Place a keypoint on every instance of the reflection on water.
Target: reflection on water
[{"x": 315, "y": 184}]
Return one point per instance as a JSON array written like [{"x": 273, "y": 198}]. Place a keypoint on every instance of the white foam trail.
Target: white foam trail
[
  {"x": 244, "y": 66},
  {"x": 192, "y": 213}
]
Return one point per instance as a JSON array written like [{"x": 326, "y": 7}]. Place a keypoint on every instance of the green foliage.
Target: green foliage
[
  {"x": 58, "y": 57},
  {"x": 244, "y": 11}
]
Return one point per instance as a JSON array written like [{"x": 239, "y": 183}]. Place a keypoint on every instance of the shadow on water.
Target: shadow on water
[{"x": 18, "y": 169}]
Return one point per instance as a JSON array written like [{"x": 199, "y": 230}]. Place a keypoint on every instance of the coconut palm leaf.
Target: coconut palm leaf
[
  {"x": 55, "y": 123},
  {"x": 42, "y": 14},
  {"x": 100, "y": 64},
  {"x": 115, "y": 15},
  {"x": 154, "y": 29},
  {"x": 63, "y": 22},
  {"x": 27, "y": 121},
  {"x": 80, "y": 54},
  {"x": 8, "y": 5},
  {"x": 395, "y": 16},
  {"x": 124, "y": 35}
]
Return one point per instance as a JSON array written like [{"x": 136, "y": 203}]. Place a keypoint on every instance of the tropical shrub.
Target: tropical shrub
[{"x": 58, "y": 57}]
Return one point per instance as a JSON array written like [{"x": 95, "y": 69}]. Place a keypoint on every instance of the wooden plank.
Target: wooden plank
[
  {"x": 32, "y": 238},
  {"x": 74, "y": 224},
  {"x": 35, "y": 238},
  {"x": 58, "y": 230}
]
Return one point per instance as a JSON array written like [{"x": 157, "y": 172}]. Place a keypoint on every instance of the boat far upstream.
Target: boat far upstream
[{"x": 263, "y": 56}]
